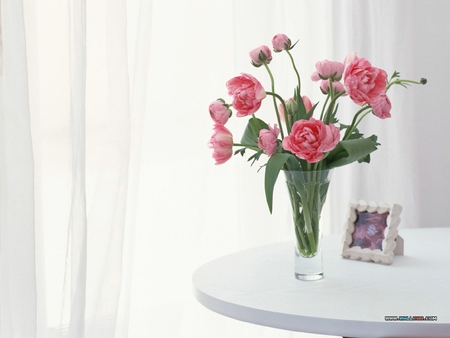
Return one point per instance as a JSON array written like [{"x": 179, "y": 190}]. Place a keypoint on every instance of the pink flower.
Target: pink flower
[
  {"x": 267, "y": 140},
  {"x": 349, "y": 58},
  {"x": 363, "y": 83},
  {"x": 281, "y": 42},
  {"x": 260, "y": 55},
  {"x": 315, "y": 76},
  {"x": 291, "y": 105},
  {"x": 309, "y": 140},
  {"x": 382, "y": 107},
  {"x": 325, "y": 86},
  {"x": 307, "y": 103},
  {"x": 222, "y": 144},
  {"x": 219, "y": 112},
  {"x": 247, "y": 94},
  {"x": 330, "y": 69}
]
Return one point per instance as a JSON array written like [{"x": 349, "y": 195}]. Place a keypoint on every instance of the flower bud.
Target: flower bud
[
  {"x": 219, "y": 111},
  {"x": 281, "y": 42},
  {"x": 307, "y": 103},
  {"x": 267, "y": 140},
  {"x": 291, "y": 106},
  {"x": 381, "y": 107},
  {"x": 260, "y": 55}
]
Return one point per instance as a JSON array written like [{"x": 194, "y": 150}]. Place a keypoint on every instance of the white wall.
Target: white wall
[{"x": 191, "y": 211}]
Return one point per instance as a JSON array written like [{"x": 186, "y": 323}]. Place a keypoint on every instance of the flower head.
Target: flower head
[
  {"x": 363, "y": 83},
  {"x": 222, "y": 144},
  {"x": 325, "y": 86},
  {"x": 247, "y": 94},
  {"x": 260, "y": 55},
  {"x": 267, "y": 140},
  {"x": 349, "y": 58},
  {"x": 281, "y": 42},
  {"x": 219, "y": 111},
  {"x": 315, "y": 76},
  {"x": 382, "y": 107},
  {"x": 330, "y": 70},
  {"x": 310, "y": 139}
]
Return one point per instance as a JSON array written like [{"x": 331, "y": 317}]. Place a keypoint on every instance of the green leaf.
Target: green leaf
[
  {"x": 240, "y": 151},
  {"x": 333, "y": 118},
  {"x": 311, "y": 112},
  {"x": 251, "y": 132},
  {"x": 273, "y": 167},
  {"x": 349, "y": 151},
  {"x": 301, "y": 110},
  {"x": 255, "y": 157}
]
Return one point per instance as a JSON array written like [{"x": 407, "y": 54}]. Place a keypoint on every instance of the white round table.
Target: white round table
[{"x": 354, "y": 298}]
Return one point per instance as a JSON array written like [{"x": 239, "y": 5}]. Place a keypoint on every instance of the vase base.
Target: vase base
[{"x": 309, "y": 277}]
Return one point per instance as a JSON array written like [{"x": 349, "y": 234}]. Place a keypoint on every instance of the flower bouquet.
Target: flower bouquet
[{"x": 308, "y": 140}]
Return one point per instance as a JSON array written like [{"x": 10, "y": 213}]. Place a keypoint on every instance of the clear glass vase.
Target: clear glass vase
[{"x": 307, "y": 193}]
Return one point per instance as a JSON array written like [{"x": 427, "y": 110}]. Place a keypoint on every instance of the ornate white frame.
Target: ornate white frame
[{"x": 391, "y": 238}]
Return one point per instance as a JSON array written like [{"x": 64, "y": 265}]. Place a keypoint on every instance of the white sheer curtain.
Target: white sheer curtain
[
  {"x": 109, "y": 198},
  {"x": 73, "y": 102}
]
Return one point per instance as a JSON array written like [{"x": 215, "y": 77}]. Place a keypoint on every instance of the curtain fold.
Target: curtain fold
[
  {"x": 18, "y": 298},
  {"x": 76, "y": 259},
  {"x": 108, "y": 209},
  {"x": 69, "y": 173}
]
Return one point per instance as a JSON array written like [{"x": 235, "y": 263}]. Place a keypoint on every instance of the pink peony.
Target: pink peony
[
  {"x": 325, "y": 86},
  {"x": 219, "y": 112},
  {"x": 363, "y": 83},
  {"x": 315, "y": 76},
  {"x": 382, "y": 107},
  {"x": 308, "y": 140},
  {"x": 281, "y": 42},
  {"x": 222, "y": 144},
  {"x": 267, "y": 140},
  {"x": 329, "y": 69},
  {"x": 349, "y": 58},
  {"x": 247, "y": 94},
  {"x": 260, "y": 55}
]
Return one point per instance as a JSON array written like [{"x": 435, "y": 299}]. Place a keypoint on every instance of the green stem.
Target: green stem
[
  {"x": 355, "y": 122},
  {"x": 275, "y": 95},
  {"x": 308, "y": 190},
  {"x": 275, "y": 102},
  {"x": 400, "y": 81},
  {"x": 303, "y": 188},
  {"x": 296, "y": 202},
  {"x": 330, "y": 109},
  {"x": 324, "y": 106},
  {"x": 311, "y": 199},
  {"x": 296, "y": 71},
  {"x": 249, "y": 146}
]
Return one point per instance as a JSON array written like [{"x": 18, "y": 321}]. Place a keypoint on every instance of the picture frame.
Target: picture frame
[{"x": 371, "y": 232}]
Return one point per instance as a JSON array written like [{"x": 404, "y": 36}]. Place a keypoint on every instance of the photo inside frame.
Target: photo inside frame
[{"x": 369, "y": 230}]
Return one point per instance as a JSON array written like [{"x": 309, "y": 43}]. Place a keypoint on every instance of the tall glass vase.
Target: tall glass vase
[{"x": 307, "y": 193}]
